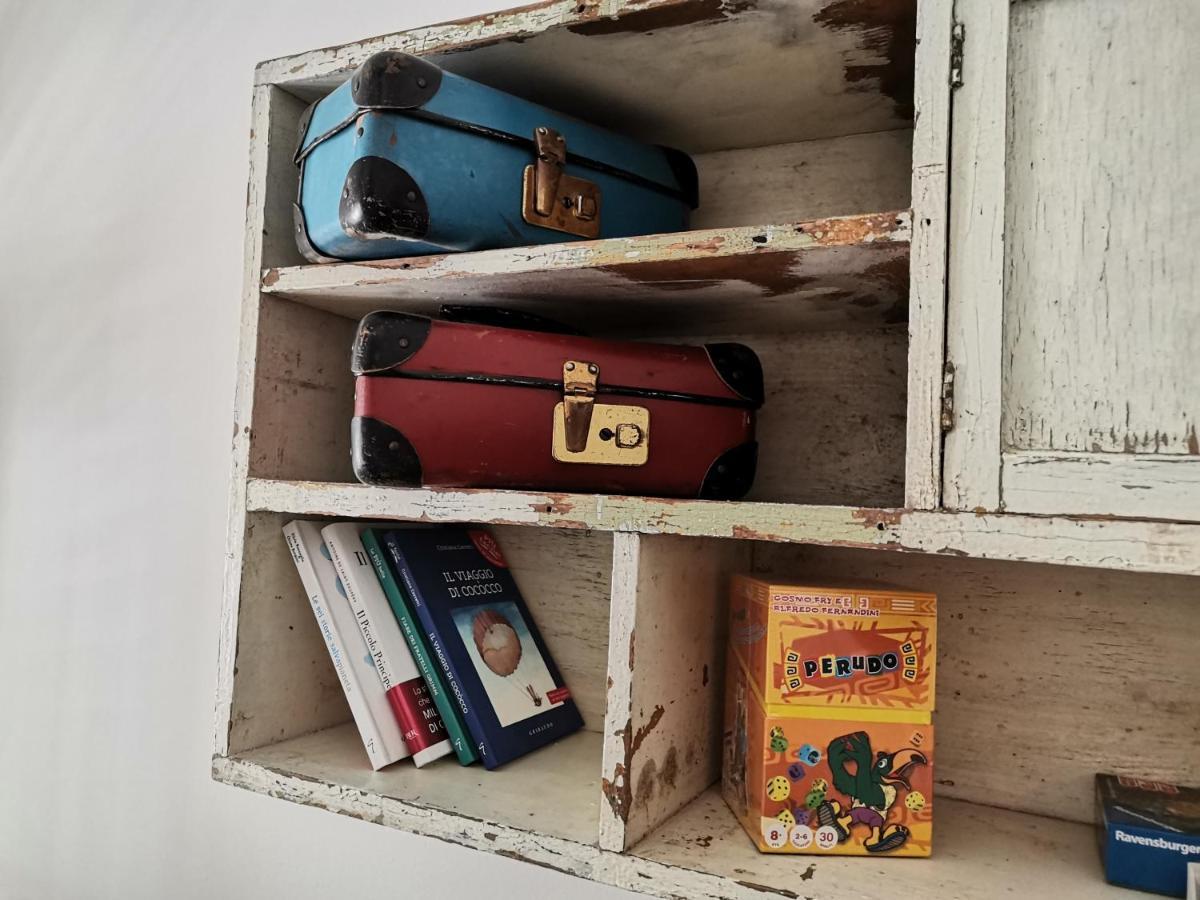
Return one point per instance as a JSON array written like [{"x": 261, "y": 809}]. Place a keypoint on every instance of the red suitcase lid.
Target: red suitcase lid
[{"x": 396, "y": 344}]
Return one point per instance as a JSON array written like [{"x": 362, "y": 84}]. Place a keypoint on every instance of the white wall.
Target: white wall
[{"x": 124, "y": 130}]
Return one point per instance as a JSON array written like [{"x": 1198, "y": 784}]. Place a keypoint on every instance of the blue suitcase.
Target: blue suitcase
[{"x": 407, "y": 159}]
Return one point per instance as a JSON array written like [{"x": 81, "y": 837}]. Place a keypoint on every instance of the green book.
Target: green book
[{"x": 452, "y": 718}]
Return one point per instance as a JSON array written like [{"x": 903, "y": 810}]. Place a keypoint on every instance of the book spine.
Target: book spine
[
  {"x": 355, "y": 691},
  {"x": 456, "y": 727},
  {"x": 406, "y": 690},
  {"x": 421, "y": 610}
]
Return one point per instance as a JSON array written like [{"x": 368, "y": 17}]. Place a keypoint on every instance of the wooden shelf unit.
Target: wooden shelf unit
[{"x": 799, "y": 114}]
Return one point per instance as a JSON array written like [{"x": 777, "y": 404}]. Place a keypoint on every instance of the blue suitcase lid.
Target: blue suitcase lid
[{"x": 398, "y": 82}]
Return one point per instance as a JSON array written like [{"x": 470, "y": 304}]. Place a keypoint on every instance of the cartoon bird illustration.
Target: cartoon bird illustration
[{"x": 872, "y": 789}]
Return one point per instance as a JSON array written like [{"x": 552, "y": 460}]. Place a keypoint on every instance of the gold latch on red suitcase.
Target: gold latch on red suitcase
[
  {"x": 597, "y": 433},
  {"x": 553, "y": 199}
]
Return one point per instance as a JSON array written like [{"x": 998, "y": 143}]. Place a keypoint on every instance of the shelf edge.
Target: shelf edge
[
  {"x": 879, "y": 228},
  {"x": 1106, "y": 543}
]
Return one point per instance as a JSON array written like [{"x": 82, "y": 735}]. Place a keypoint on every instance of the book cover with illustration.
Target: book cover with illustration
[
  {"x": 447, "y": 707},
  {"x": 1149, "y": 832},
  {"x": 481, "y": 633}
]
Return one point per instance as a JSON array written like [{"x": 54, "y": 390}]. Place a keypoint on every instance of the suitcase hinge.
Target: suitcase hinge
[
  {"x": 598, "y": 433},
  {"x": 553, "y": 199}
]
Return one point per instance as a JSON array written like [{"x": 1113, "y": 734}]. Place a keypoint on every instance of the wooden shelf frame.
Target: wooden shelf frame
[{"x": 831, "y": 260}]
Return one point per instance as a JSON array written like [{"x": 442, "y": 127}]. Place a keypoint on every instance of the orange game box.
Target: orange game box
[{"x": 828, "y": 743}]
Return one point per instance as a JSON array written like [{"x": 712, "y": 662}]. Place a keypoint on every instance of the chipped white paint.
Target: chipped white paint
[
  {"x": 1111, "y": 544},
  {"x": 1095, "y": 543},
  {"x": 827, "y": 273},
  {"x": 256, "y": 190},
  {"x": 692, "y": 75},
  {"x": 975, "y": 274},
  {"x": 1138, "y": 486},
  {"x": 1073, "y": 313},
  {"x": 807, "y": 180},
  {"x": 677, "y": 661},
  {"x": 979, "y": 852},
  {"x": 1102, "y": 309},
  {"x": 703, "y": 854},
  {"x": 927, "y": 299},
  {"x": 616, "y": 783},
  {"x": 712, "y": 518}
]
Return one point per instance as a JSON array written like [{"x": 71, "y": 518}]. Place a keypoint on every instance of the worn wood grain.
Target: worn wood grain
[
  {"x": 553, "y": 792},
  {"x": 978, "y": 852},
  {"x": 703, "y": 853},
  {"x": 1131, "y": 545},
  {"x": 1101, "y": 312},
  {"x": 975, "y": 273},
  {"x": 832, "y": 427},
  {"x": 671, "y": 727},
  {"x": 1103, "y": 484},
  {"x": 1046, "y": 674},
  {"x": 616, "y": 781},
  {"x": 697, "y": 75},
  {"x": 256, "y": 194},
  {"x": 927, "y": 261},
  {"x": 565, "y": 579},
  {"x": 709, "y": 518},
  {"x": 303, "y": 394},
  {"x": 795, "y": 182},
  {"x": 826, "y": 273}
]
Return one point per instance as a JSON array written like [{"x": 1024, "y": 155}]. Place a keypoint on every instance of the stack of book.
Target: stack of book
[{"x": 432, "y": 642}]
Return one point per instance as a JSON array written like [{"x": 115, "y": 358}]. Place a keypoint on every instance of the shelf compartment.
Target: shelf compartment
[
  {"x": 700, "y": 75},
  {"x": 847, "y": 272},
  {"x": 554, "y": 791},
  {"x": 283, "y": 685}
]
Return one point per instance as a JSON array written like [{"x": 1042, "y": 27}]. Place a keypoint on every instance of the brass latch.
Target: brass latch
[
  {"x": 553, "y": 199},
  {"x": 598, "y": 433}
]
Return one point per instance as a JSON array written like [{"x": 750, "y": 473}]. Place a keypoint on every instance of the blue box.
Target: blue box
[{"x": 1149, "y": 832}]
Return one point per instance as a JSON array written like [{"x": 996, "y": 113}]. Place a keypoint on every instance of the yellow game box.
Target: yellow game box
[{"x": 828, "y": 743}]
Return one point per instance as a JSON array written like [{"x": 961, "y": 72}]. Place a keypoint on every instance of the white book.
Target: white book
[
  {"x": 347, "y": 649},
  {"x": 406, "y": 690}
]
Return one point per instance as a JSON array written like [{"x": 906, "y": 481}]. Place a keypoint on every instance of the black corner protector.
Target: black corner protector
[
  {"x": 394, "y": 80},
  {"x": 502, "y": 317},
  {"x": 684, "y": 170},
  {"x": 381, "y": 200},
  {"x": 303, "y": 244},
  {"x": 738, "y": 366},
  {"x": 731, "y": 474},
  {"x": 386, "y": 339},
  {"x": 382, "y": 455},
  {"x": 302, "y": 131}
]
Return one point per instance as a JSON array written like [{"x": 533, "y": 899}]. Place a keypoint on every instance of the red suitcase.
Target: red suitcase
[{"x": 464, "y": 404}]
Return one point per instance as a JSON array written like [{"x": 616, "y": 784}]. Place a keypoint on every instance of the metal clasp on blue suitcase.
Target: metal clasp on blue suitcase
[{"x": 406, "y": 159}]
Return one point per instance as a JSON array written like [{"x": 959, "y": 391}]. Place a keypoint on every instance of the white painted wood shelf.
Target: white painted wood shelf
[
  {"x": 700, "y": 852},
  {"x": 1066, "y": 642},
  {"x": 844, "y": 272},
  {"x": 1131, "y": 545}
]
